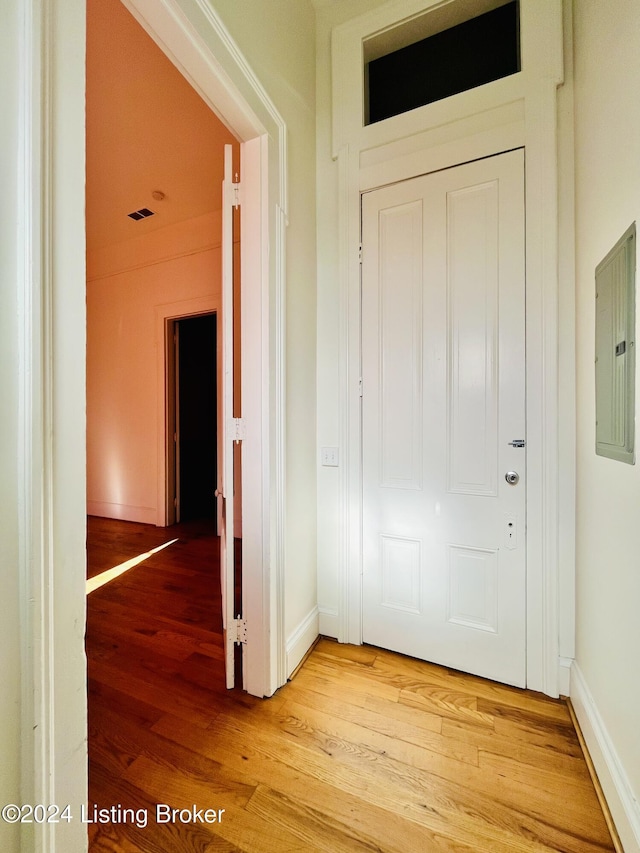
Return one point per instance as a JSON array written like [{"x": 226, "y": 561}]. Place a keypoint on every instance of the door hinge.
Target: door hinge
[
  {"x": 360, "y": 253},
  {"x": 238, "y": 429},
  {"x": 235, "y": 189},
  {"x": 360, "y": 387},
  {"x": 238, "y": 631}
]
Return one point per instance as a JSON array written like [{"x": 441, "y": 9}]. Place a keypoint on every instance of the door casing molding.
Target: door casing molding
[
  {"x": 520, "y": 110},
  {"x": 50, "y": 39}
]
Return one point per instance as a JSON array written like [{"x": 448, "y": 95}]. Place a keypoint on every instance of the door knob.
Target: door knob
[{"x": 512, "y": 477}]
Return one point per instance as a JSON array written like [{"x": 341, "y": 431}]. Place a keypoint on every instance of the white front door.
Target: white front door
[{"x": 443, "y": 368}]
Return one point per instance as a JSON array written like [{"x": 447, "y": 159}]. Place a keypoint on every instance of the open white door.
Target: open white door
[{"x": 225, "y": 486}]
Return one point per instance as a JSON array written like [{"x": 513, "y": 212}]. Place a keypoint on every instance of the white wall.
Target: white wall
[
  {"x": 328, "y": 15},
  {"x": 277, "y": 39},
  {"x": 607, "y": 130},
  {"x": 9, "y": 623}
]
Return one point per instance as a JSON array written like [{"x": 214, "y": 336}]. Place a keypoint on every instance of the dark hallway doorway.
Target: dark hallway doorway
[{"x": 196, "y": 417}]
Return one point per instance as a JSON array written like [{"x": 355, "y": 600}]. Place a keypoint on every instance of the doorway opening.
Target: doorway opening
[
  {"x": 155, "y": 633},
  {"x": 205, "y": 52},
  {"x": 153, "y": 311},
  {"x": 192, "y": 471}
]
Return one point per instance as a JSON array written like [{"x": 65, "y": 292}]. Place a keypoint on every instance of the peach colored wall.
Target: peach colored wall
[{"x": 125, "y": 284}]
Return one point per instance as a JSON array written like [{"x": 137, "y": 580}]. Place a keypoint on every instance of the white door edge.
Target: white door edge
[{"x": 226, "y": 480}]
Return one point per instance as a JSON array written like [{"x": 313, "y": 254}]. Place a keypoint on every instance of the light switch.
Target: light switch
[{"x": 329, "y": 457}]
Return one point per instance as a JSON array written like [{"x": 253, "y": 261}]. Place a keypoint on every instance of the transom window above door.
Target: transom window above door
[{"x": 439, "y": 54}]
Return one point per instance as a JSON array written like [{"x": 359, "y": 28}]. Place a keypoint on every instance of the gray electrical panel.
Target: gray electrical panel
[{"x": 615, "y": 350}]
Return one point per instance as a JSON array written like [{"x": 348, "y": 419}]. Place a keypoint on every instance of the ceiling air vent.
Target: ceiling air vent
[{"x": 141, "y": 214}]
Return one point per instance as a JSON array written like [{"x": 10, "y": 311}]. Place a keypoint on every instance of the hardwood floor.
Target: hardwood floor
[{"x": 363, "y": 750}]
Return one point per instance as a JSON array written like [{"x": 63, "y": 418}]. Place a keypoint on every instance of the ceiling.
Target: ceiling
[{"x": 147, "y": 130}]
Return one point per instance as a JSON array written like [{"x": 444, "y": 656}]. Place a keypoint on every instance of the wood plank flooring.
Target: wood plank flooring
[{"x": 363, "y": 750}]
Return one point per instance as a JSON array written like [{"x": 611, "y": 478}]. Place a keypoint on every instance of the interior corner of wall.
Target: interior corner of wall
[
  {"x": 301, "y": 639},
  {"x": 564, "y": 675}
]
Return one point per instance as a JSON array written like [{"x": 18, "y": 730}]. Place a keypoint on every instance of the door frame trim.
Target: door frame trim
[{"x": 517, "y": 111}]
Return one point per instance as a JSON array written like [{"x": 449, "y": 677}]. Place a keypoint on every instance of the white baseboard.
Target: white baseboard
[
  {"x": 564, "y": 676},
  {"x": 301, "y": 640},
  {"x": 328, "y": 622},
  {"x": 623, "y": 805},
  {"x": 103, "y": 509}
]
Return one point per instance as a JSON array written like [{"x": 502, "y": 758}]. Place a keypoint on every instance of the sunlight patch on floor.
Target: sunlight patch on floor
[{"x": 104, "y": 577}]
